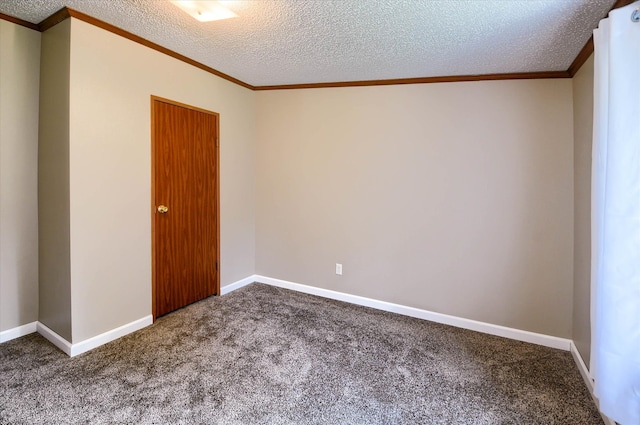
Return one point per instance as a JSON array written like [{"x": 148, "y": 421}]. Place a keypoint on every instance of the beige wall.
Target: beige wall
[
  {"x": 19, "y": 81},
  {"x": 53, "y": 181},
  {"x": 583, "y": 133},
  {"x": 454, "y": 197},
  {"x": 112, "y": 79}
]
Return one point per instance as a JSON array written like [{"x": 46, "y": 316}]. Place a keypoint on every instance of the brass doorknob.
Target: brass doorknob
[{"x": 163, "y": 209}]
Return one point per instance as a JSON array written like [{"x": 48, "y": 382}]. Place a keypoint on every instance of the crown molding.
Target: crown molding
[
  {"x": 422, "y": 80},
  {"x": 19, "y": 21},
  {"x": 55, "y": 19},
  {"x": 66, "y": 13},
  {"x": 587, "y": 50}
]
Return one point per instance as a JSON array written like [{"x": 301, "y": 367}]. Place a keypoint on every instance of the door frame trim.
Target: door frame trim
[{"x": 153, "y": 194}]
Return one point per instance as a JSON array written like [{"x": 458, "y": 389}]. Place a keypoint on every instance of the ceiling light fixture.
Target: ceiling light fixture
[{"x": 204, "y": 10}]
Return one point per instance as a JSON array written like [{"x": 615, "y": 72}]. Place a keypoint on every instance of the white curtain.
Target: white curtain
[{"x": 615, "y": 312}]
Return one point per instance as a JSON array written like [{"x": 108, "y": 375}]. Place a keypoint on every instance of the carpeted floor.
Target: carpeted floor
[{"x": 264, "y": 355}]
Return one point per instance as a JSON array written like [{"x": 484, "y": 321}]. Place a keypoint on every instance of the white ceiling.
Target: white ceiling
[{"x": 276, "y": 42}]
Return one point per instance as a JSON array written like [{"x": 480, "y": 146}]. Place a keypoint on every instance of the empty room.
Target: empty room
[{"x": 319, "y": 212}]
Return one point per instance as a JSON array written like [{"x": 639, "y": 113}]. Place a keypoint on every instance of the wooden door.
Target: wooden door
[{"x": 185, "y": 200}]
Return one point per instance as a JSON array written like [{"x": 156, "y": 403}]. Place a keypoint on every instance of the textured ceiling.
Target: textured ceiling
[{"x": 310, "y": 41}]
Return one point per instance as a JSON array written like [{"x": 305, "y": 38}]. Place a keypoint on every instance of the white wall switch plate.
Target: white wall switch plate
[{"x": 339, "y": 269}]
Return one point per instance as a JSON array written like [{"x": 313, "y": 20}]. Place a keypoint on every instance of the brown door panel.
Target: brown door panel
[{"x": 185, "y": 181}]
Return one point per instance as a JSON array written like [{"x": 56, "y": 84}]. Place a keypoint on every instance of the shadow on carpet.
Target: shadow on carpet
[{"x": 265, "y": 355}]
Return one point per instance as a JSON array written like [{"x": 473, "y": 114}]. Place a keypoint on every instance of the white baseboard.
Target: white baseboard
[
  {"x": 488, "y": 328},
  {"x": 582, "y": 367},
  {"x": 17, "y": 332},
  {"x": 113, "y": 334},
  {"x": 89, "y": 344},
  {"x": 54, "y": 338},
  {"x": 238, "y": 284},
  {"x": 588, "y": 380}
]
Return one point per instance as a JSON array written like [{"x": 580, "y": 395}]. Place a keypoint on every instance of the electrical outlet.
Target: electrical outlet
[{"x": 339, "y": 269}]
